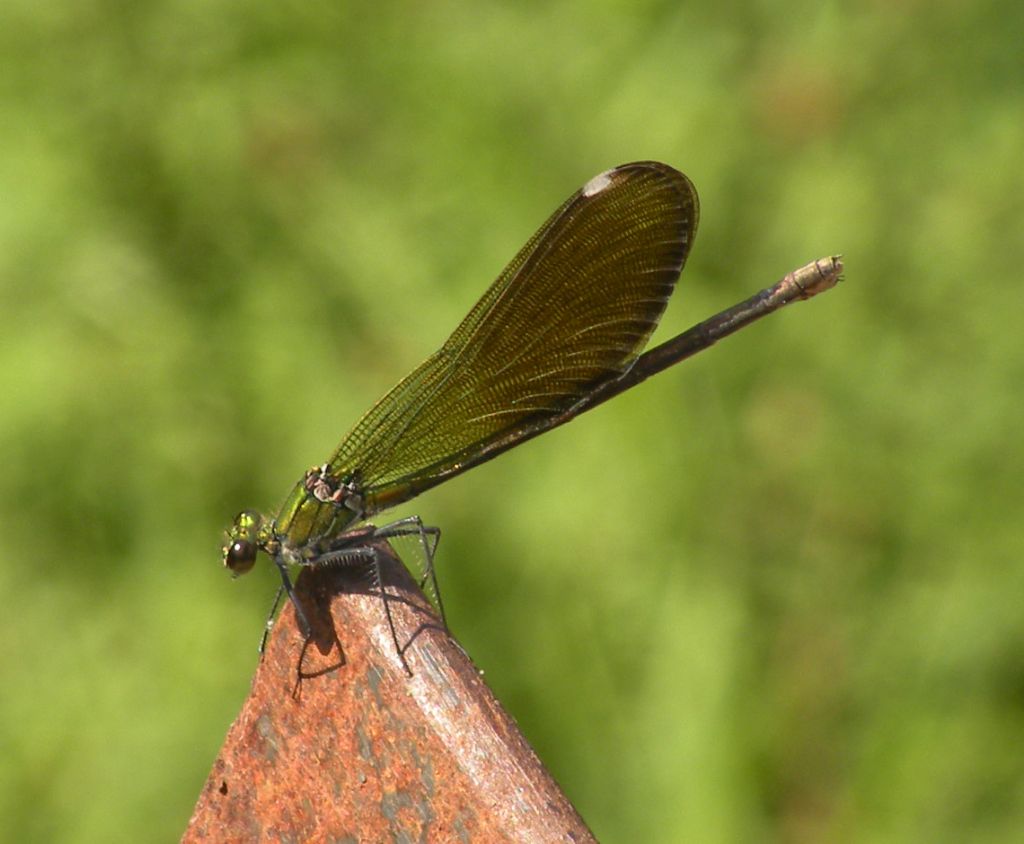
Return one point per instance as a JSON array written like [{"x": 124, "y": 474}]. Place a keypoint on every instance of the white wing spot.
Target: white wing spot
[{"x": 598, "y": 183}]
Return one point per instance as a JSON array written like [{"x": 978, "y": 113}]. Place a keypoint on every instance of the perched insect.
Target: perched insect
[{"x": 560, "y": 331}]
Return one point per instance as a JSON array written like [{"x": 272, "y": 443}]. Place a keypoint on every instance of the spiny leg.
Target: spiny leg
[
  {"x": 363, "y": 555},
  {"x": 286, "y": 585},
  {"x": 270, "y": 619},
  {"x": 429, "y": 536}
]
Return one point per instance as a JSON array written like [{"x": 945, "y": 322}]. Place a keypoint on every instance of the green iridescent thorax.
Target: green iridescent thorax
[
  {"x": 306, "y": 522},
  {"x": 302, "y": 530}
]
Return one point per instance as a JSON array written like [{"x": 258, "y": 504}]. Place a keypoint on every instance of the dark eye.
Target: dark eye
[{"x": 240, "y": 556}]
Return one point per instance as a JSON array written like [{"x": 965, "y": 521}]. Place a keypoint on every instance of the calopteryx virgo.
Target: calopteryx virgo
[{"x": 560, "y": 331}]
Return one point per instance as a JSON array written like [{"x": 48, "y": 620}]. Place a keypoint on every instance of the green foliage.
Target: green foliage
[{"x": 774, "y": 594}]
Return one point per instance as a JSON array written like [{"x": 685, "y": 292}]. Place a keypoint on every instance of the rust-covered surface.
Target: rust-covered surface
[{"x": 337, "y": 742}]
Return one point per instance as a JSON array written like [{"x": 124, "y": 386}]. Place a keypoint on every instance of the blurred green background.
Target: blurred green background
[{"x": 772, "y": 595}]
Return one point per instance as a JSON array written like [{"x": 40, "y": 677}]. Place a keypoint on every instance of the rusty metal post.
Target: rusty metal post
[{"x": 337, "y": 742}]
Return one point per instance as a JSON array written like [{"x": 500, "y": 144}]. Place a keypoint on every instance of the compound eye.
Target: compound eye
[{"x": 240, "y": 556}]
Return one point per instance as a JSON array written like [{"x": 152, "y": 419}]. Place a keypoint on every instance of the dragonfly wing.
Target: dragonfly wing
[{"x": 573, "y": 308}]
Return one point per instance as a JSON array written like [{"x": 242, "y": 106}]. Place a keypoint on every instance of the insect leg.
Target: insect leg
[
  {"x": 429, "y": 536},
  {"x": 362, "y": 555}
]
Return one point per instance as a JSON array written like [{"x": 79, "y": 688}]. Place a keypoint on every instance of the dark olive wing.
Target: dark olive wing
[{"x": 573, "y": 308}]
